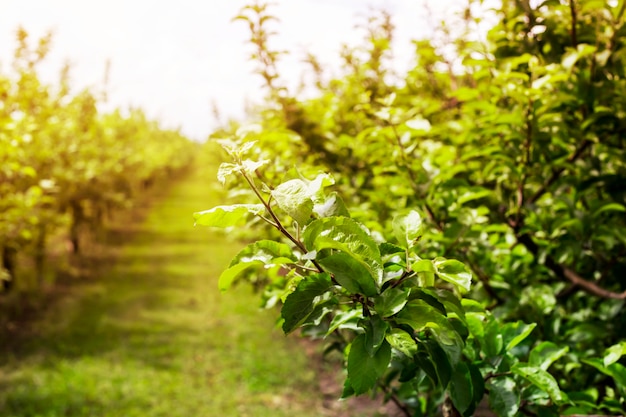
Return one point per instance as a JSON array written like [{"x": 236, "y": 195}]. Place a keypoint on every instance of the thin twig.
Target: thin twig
[{"x": 394, "y": 398}]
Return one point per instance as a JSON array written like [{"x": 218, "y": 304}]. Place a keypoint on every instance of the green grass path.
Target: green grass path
[{"x": 152, "y": 335}]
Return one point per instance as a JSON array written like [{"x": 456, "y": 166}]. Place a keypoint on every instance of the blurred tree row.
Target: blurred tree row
[
  {"x": 512, "y": 148},
  {"x": 64, "y": 165}
]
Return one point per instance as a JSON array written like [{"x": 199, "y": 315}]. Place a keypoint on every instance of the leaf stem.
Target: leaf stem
[{"x": 277, "y": 223}]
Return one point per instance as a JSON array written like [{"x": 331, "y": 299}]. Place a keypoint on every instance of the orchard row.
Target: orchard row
[{"x": 65, "y": 165}]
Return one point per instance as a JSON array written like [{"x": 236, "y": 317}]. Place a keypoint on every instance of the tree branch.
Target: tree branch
[
  {"x": 557, "y": 174},
  {"x": 565, "y": 273},
  {"x": 394, "y": 398},
  {"x": 573, "y": 33}
]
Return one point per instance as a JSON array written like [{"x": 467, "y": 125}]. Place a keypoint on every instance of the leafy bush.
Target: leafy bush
[{"x": 507, "y": 155}]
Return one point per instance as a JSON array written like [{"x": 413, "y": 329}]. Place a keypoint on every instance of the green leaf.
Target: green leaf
[
  {"x": 347, "y": 235},
  {"x": 269, "y": 252},
  {"x": 478, "y": 382},
  {"x": 494, "y": 342},
  {"x": 225, "y": 170},
  {"x": 348, "y": 391},
  {"x": 316, "y": 186},
  {"x": 421, "y": 316},
  {"x": 228, "y": 277},
  {"x": 402, "y": 341},
  {"x": 514, "y": 333},
  {"x": 350, "y": 273},
  {"x": 375, "y": 331},
  {"x": 461, "y": 390},
  {"x": 454, "y": 272},
  {"x": 425, "y": 272},
  {"x": 333, "y": 205},
  {"x": 419, "y": 123},
  {"x": 294, "y": 198},
  {"x": 364, "y": 369},
  {"x": 545, "y": 354},
  {"x": 250, "y": 167},
  {"x": 450, "y": 301},
  {"x": 344, "y": 319},
  {"x": 407, "y": 228},
  {"x": 615, "y": 370},
  {"x": 614, "y": 353},
  {"x": 542, "y": 380},
  {"x": 300, "y": 303},
  {"x": 610, "y": 207},
  {"x": 441, "y": 362},
  {"x": 503, "y": 396},
  {"x": 226, "y": 216},
  {"x": 476, "y": 326},
  {"x": 431, "y": 299},
  {"x": 387, "y": 248},
  {"x": 391, "y": 301}
]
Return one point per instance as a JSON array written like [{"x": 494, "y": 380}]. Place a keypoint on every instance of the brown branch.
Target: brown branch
[
  {"x": 496, "y": 375},
  {"x": 592, "y": 415},
  {"x": 573, "y": 33},
  {"x": 565, "y": 273},
  {"x": 394, "y": 398}
]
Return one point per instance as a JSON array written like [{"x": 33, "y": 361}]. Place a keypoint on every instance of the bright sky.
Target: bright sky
[{"x": 174, "y": 58}]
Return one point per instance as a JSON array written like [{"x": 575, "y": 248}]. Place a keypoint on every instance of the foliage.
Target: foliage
[
  {"x": 507, "y": 155},
  {"x": 65, "y": 165}
]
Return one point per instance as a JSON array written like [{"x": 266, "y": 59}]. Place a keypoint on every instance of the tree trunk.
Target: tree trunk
[{"x": 8, "y": 263}]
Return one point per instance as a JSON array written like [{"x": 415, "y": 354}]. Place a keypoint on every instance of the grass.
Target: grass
[{"x": 152, "y": 336}]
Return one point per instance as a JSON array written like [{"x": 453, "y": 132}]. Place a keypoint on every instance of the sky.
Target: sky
[{"x": 176, "y": 59}]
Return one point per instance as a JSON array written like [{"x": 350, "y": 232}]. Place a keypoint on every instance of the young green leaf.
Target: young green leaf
[
  {"x": 225, "y": 170},
  {"x": 267, "y": 251},
  {"x": 407, "y": 228},
  {"x": 345, "y": 319},
  {"x": 332, "y": 205},
  {"x": 494, "y": 341},
  {"x": 614, "y": 353},
  {"x": 542, "y": 380},
  {"x": 226, "y": 216},
  {"x": 294, "y": 198},
  {"x": 514, "y": 333},
  {"x": 545, "y": 354},
  {"x": 228, "y": 276},
  {"x": 454, "y": 272}
]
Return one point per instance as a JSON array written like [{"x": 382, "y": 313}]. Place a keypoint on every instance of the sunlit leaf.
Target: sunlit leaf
[
  {"x": 542, "y": 380},
  {"x": 226, "y": 216},
  {"x": 503, "y": 396},
  {"x": 407, "y": 228},
  {"x": 402, "y": 341},
  {"x": 454, "y": 272},
  {"x": 294, "y": 198}
]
